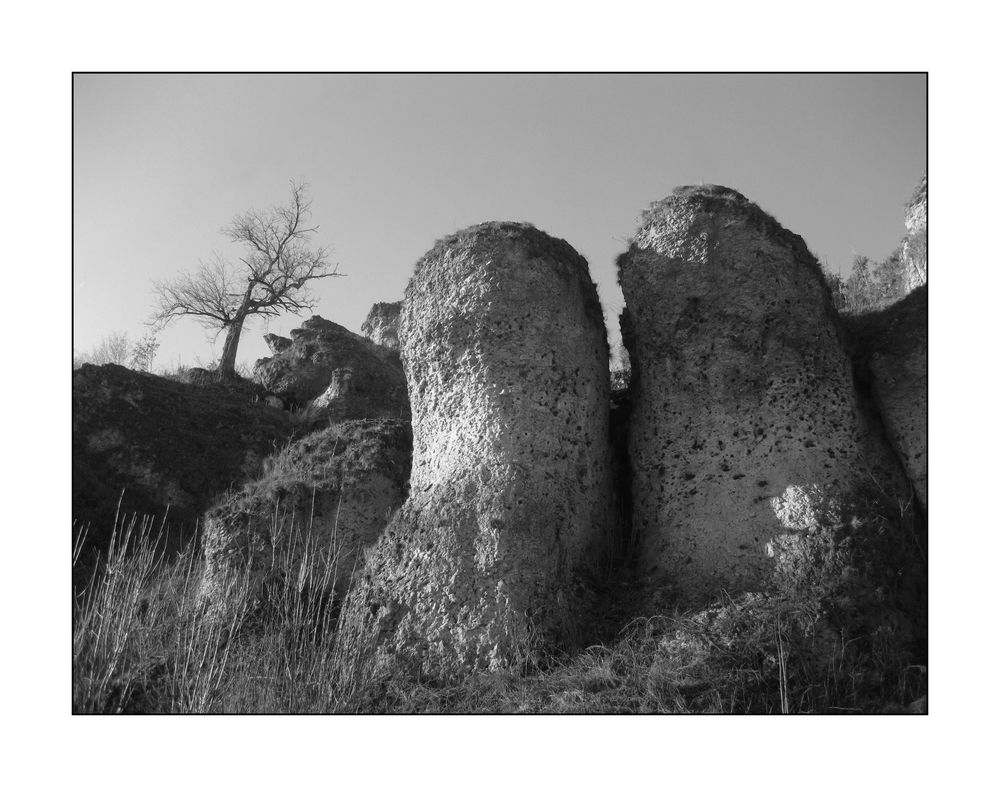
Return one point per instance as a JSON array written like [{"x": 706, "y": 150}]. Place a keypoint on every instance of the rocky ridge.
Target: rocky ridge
[{"x": 741, "y": 452}]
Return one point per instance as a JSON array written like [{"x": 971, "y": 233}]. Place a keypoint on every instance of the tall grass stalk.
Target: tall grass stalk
[{"x": 146, "y": 640}]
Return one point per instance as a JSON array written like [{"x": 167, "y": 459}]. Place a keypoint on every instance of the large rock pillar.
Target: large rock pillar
[
  {"x": 746, "y": 431},
  {"x": 506, "y": 360}
]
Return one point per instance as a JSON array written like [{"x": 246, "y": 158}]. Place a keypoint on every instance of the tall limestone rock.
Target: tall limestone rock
[
  {"x": 320, "y": 502},
  {"x": 506, "y": 357},
  {"x": 914, "y": 246},
  {"x": 746, "y": 434},
  {"x": 382, "y": 324},
  {"x": 329, "y": 371},
  {"x": 889, "y": 349}
]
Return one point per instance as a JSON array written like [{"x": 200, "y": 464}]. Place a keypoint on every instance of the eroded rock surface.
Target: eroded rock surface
[
  {"x": 914, "y": 246},
  {"x": 330, "y": 371},
  {"x": 506, "y": 356},
  {"x": 165, "y": 443},
  {"x": 276, "y": 343},
  {"x": 321, "y": 500},
  {"x": 890, "y": 353},
  {"x": 382, "y": 324},
  {"x": 746, "y": 431}
]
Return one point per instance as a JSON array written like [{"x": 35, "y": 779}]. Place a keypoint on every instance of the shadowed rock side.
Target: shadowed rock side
[
  {"x": 746, "y": 434},
  {"x": 166, "y": 443},
  {"x": 329, "y": 371},
  {"x": 506, "y": 357},
  {"x": 914, "y": 246},
  {"x": 382, "y": 324},
  {"x": 889, "y": 349},
  {"x": 321, "y": 500}
]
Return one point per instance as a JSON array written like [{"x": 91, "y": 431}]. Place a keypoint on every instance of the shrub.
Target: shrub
[
  {"x": 117, "y": 348},
  {"x": 870, "y": 286}
]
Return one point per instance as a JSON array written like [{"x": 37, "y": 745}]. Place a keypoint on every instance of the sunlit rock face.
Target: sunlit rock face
[
  {"x": 506, "y": 359},
  {"x": 914, "y": 246},
  {"x": 382, "y": 324},
  {"x": 744, "y": 405}
]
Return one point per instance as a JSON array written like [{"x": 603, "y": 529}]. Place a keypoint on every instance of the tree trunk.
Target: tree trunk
[{"x": 227, "y": 363}]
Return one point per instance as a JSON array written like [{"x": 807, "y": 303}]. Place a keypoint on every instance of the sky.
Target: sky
[{"x": 394, "y": 162}]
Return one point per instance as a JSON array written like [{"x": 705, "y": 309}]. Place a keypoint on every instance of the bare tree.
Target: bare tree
[{"x": 277, "y": 265}]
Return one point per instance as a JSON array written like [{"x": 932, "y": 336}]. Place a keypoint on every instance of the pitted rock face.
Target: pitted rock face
[
  {"x": 333, "y": 372},
  {"x": 914, "y": 247},
  {"x": 743, "y": 397},
  {"x": 382, "y": 324},
  {"x": 322, "y": 499},
  {"x": 506, "y": 357},
  {"x": 890, "y": 351}
]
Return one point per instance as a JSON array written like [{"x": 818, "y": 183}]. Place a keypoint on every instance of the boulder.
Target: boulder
[
  {"x": 746, "y": 438},
  {"x": 320, "y": 501},
  {"x": 164, "y": 443},
  {"x": 889, "y": 349},
  {"x": 326, "y": 370},
  {"x": 382, "y": 324},
  {"x": 486, "y": 564}
]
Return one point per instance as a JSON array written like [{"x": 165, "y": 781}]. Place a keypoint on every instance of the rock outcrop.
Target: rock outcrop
[
  {"x": 165, "y": 443},
  {"x": 329, "y": 371},
  {"x": 321, "y": 500},
  {"x": 914, "y": 247},
  {"x": 889, "y": 349},
  {"x": 746, "y": 435},
  {"x": 382, "y": 324},
  {"x": 277, "y": 343},
  {"x": 506, "y": 356}
]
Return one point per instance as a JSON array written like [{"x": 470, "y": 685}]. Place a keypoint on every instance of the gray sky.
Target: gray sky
[{"x": 161, "y": 163}]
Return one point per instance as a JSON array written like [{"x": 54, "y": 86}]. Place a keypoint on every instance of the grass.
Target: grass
[{"x": 143, "y": 641}]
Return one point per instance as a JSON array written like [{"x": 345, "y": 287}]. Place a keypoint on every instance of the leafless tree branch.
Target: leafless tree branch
[{"x": 274, "y": 274}]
